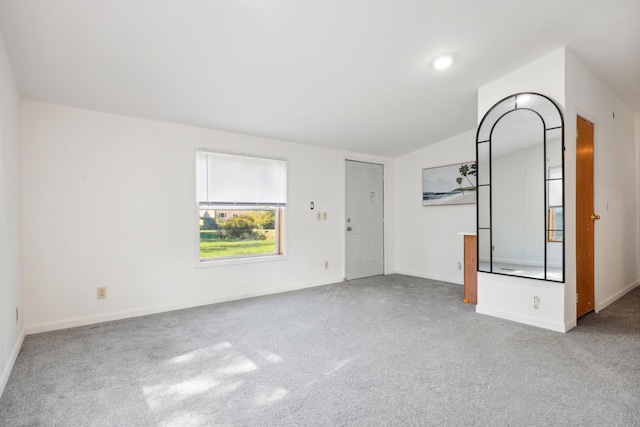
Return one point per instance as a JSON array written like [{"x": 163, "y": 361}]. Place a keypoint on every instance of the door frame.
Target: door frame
[{"x": 344, "y": 211}]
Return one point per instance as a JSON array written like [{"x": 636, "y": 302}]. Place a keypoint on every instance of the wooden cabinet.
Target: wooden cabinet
[{"x": 470, "y": 269}]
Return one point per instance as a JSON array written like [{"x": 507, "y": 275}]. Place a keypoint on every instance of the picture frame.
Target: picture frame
[{"x": 454, "y": 184}]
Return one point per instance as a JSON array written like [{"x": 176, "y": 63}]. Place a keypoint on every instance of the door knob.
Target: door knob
[
  {"x": 594, "y": 217},
  {"x": 349, "y": 228}
]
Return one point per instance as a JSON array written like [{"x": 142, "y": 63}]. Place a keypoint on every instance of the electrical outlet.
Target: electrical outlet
[
  {"x": 102, "y": 292},
  {"x": 326, "y": 265},
  {"x": 536, "y": 302},
  {"x": 459, "y": 265}
]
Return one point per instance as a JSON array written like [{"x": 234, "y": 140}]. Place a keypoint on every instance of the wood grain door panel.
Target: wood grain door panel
[{"x": 584, "y": 223}]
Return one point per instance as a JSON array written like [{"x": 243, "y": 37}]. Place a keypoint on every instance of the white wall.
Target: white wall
[
  {"x": 617, "y": 252},
  {"x": 427, "y": 240},
  {"x": 11, "y": 332},
  {"x": 512, "y": 297},
  {"x": 110, "y": 201},
  {"x": 517, "y": 203},
  {"x": 518, "y": 207},
  {"x": 637, "y": 180}
]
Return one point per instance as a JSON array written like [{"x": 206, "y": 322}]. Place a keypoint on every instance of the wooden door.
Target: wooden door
[
  {"x": 365, "y": 219},
  {"x": 585, "y": 218}
]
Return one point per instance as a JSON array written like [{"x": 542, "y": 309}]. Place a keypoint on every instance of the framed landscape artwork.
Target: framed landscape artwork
[{"x": 449, "y": 185}]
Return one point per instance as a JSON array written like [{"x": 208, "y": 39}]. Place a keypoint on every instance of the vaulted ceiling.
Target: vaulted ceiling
[{"x": 348, "y": 74}]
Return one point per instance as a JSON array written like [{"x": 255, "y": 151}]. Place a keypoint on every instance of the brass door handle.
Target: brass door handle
[{"x": 594, "y": 217}]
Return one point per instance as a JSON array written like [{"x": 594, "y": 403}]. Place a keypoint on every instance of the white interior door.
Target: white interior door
[{"x": 364, "y": 220}]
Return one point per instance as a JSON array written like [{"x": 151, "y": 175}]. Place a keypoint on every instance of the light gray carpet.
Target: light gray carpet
[{"x": 385, "y": 351}]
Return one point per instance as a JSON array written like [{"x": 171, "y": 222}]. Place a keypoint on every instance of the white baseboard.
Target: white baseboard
[
  {"x": 455, "y": 280},
  {"x": 607, "y": 301},
  {"x": 125, "y": 314},
  {"x": 570, "y": 325},
  {"x": 8, "y": 367},
  {"x": 558, "y": 327}
]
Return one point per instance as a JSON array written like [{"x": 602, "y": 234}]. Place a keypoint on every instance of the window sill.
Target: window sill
[{"x": 239, "y": 261}]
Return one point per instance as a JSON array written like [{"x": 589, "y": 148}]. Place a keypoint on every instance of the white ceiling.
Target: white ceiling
[{"x": 348, "y": 74}]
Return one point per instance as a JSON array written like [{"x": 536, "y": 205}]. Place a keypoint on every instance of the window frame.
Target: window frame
[
  {"x": 281, "y": 219},
  {"x": 555, "y": 234}
]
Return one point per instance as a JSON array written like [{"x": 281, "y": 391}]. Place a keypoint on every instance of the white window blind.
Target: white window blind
[{"x": 225, "y": 179}]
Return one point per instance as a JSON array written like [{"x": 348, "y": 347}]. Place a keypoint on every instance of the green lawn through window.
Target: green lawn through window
[{"x": 213, "y": 247}]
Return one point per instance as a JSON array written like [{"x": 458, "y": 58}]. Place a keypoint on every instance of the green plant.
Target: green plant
[
  {"x": 235, "y": 228},
  {"x": 265, "y": 220}
]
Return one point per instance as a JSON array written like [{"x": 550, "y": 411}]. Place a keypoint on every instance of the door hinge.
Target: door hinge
[
  {"x": 576, "y": 298},
  {"x": 576, "y": 133}
]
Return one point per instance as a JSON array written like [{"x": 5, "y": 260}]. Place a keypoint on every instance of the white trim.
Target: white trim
[
  {"x": 570, "y": 325},
  {"x": 89, "y": 320},
  {"x": 8, "y": 367},
  {"x": 613, "y": 298},
  {"x": 558, "y": 327},
  {"x": 453, "y": 280},
  {"x": 207, "y": 263}
]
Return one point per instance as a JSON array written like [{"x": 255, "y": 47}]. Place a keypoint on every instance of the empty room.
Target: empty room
[{"x": 295, "y": 213}]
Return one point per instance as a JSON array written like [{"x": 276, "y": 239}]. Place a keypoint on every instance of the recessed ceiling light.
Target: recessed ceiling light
[{"x": 443, "y": 62}]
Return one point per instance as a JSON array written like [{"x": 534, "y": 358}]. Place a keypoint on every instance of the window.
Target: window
[
  {"x": 555, "y": 224},
  {"x": 555, "y": 217},
  {"x": 247, "y": 196}
]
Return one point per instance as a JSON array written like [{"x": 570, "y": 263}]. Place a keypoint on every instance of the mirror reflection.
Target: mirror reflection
[{"x": 520, "y": 189}]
